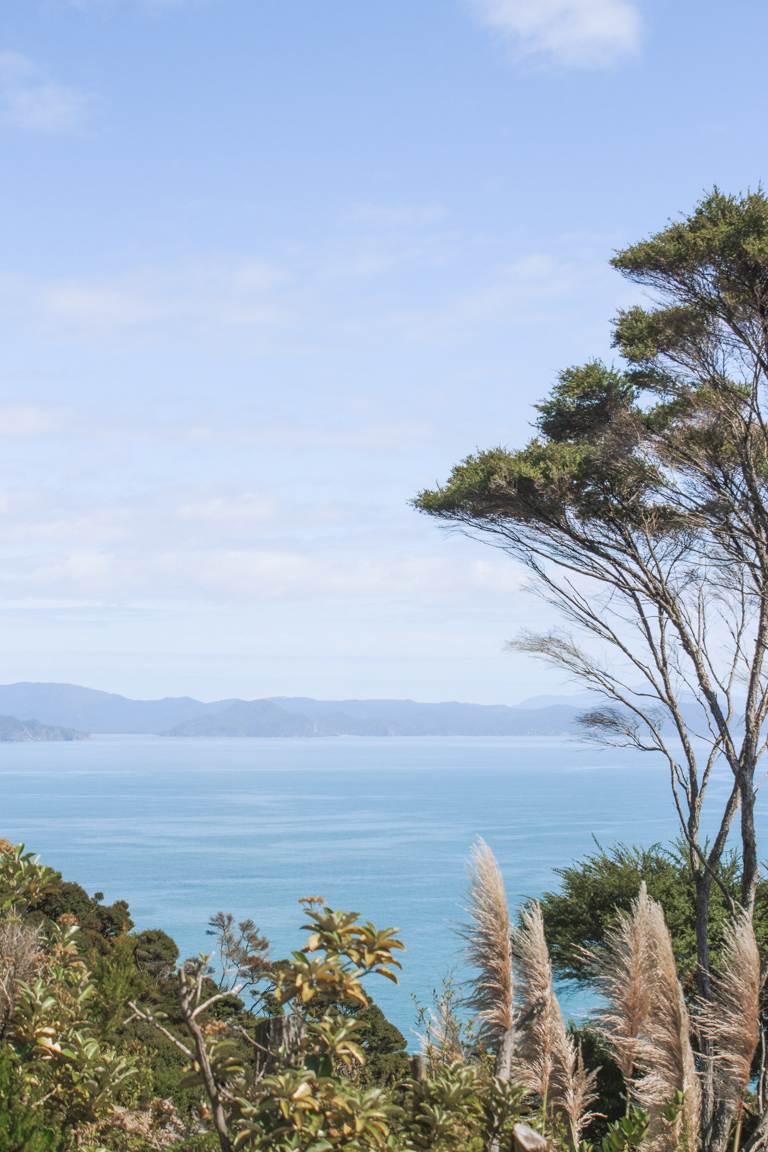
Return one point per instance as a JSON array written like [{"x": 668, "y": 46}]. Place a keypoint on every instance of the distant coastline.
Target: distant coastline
[{"x": 69, "y": 712}]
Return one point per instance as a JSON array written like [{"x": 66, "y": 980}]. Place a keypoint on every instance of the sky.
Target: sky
[{"x": 270, "y": 267}]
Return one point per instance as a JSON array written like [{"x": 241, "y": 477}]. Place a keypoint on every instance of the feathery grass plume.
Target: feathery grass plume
[
  {"x": 547, "y": 1062},
  {"x": 538, "y": 1018},
  {"x": 669, "y": 1088},
  {"x": 489, "y": 951},
  {"x": 623, "y": 972},
  {"x": 573, "y": 1086},
  {"x": 731, "y": 1019}
]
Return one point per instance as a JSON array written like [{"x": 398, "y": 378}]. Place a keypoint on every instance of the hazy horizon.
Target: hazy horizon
[{"x": 537, "y": 699}]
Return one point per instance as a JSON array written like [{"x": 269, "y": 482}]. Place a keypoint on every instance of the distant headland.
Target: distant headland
[{"x": 13, "y": 731}]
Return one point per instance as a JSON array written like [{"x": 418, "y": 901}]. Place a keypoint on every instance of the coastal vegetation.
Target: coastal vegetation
[{"x": 108, "y": 1042}]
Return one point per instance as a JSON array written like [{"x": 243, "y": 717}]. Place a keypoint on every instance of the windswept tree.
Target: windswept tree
[{"x": 640, "y": 510}]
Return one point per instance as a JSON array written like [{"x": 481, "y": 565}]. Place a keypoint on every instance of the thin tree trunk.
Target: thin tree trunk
[
  {"x": 218, "y": 1111},
  {"x": 504, "y": 1055},
  {"x": 503, "y": 1072},
  {"x": 748, "y": 837},
  {"x": 703, "y": 886}
]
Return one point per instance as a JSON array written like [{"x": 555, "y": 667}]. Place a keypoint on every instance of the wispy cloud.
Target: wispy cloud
[
  {"x": 93, "y": 307},
  {"x": 534, "y": 290},
  {"x": 28, "y": 421},
  {"x": 573, "y": 33},
  {"x": 214, "y": 548},
  {"x": 247, "y": 508},
  {"x": 31, "y": 100},
  {"x": 243, "y": 294}
]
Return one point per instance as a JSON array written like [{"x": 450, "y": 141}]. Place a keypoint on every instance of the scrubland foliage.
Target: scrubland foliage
[{"x": 109, "y": 1043}]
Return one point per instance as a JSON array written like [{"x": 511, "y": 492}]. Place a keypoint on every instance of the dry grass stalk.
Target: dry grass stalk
[
  {"x": 19, "y": 958},
  {"x": 538, "y": 1017},
  {"x": 624, "y": 974},
  {"x": 573, "y": 1087},
  {"x": 665, "y": 1057},
  {"x": 731, "y": 1019},
  {"x": 442, "y": 1038},
  {"x": 547, "y": 1061},
  {"x": 489, "y": 951}
]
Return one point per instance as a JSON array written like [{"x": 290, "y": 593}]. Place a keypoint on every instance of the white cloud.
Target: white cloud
[
  {"x": 31, "y": 100},
  {"x": 574, "y": 33},
  {"x": 538, "y": 288},
  {"x": 244, "y": 509},
  {"x": 379, "y": 437},
  {"x": 83, "y": 305},
  {"x": 27, "y": 421},
  {"x": 208, "y": 293},
  {"x": 131, "y": 556},
  {"x": 227, "y": 575}
]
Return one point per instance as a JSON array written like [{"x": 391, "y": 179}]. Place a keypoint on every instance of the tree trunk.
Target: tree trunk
[
  {"x": 503, "y": 1068},
  {"x": 703, "y": 885},
  {"x": 503, "y": 1072},
  {"x": 717, "y": 1136},
  {"x": 276, "y": 1034},
  {"x": 748, "y": 836},
  {"x": 218, "y": 1111}
]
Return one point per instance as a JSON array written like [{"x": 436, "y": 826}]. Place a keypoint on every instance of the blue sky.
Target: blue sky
[{"x": 269, "y": 267}]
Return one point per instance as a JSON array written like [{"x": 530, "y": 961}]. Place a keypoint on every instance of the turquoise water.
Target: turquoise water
[{"x": 182, "y": 829}]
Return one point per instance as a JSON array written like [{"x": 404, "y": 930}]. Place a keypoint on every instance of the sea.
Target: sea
[{"x": 183, "y": 829}]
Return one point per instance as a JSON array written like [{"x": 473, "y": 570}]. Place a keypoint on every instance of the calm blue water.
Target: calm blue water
[{"x": 182, "y": 829}]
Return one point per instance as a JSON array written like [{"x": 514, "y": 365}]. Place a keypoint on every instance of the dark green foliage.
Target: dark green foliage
[
  {"x": 596, "y": 888},
  {"x": 610, "y": 1087},
  {"x": 99, "y": 922},
  {"x": 725, "y": 239},
  {"x": 155, "y": 953},
  {"x": 22, "y": 1129},
  {"x": 386, "y": 1059},
  {"x": 444, "y": 1111},
  {"x": 584, "y": 402},
  {"x": 641, "y": 336},
  {"x": 626, "y": 1133},
  {"x": 587, "y": 463},
  {"x": 164, "y": 1066}
]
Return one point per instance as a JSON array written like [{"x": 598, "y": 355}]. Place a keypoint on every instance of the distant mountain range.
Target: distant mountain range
[{"x": 86, "y": 710}]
